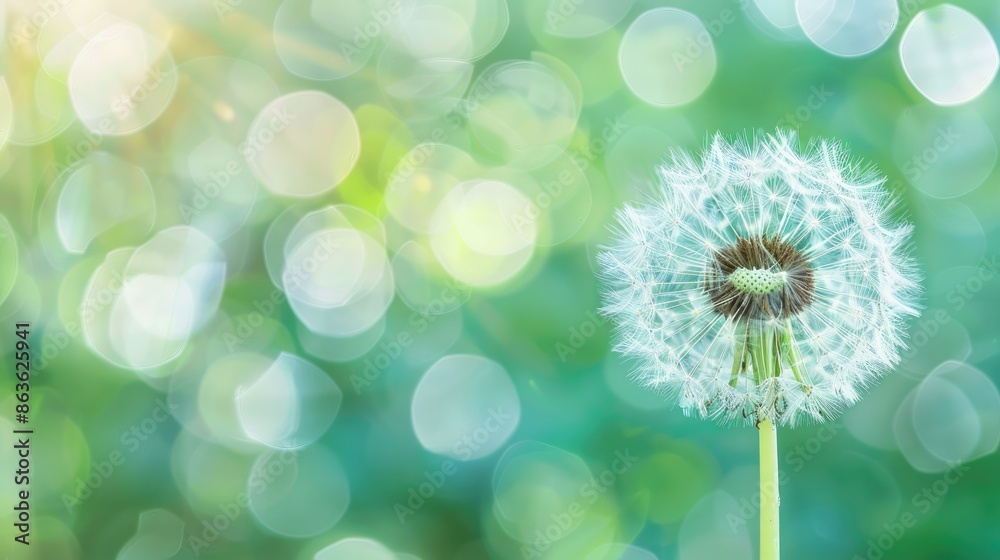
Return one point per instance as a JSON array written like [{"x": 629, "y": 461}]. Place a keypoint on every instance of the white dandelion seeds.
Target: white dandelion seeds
[{"x": 762, "y": 282}]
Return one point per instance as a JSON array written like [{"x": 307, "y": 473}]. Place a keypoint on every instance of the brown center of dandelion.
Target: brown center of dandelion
[{"x": 759, "y": 278}]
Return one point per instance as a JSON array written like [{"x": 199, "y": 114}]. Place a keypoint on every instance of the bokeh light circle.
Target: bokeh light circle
[
  {"x": 465, "y": 407},
  {"x": 339, "y": 281},
  {"x": 667, "y": 57},
  {"x": 333, "y": 268},
  {"x": 483, "y": 234},
  {"x": 535, "y": 483},
  {"x": 291, "y": 405},
  {"x": 142, "y": 305},
  {"x": 846, "y": 27},
  {"x": 100, "y": 192},
  {"x": 207, "y": 402},
  {"x": 949, "y": 55},
  {"x": 430, "y": 30},
  {"x": 956, "y": 412},
  {"x": 951, "y": 417},
  {"x": 489, "y": 207},
  {"x": 303, "y": 144},
  {"x": 122, "y": 80},
  {"x": 298, "y": 494}
]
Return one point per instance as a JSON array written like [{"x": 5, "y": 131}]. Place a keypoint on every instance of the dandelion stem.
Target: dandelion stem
[
  {"x": 765, "y": 351},
  {"x": 769, "y": 525}
]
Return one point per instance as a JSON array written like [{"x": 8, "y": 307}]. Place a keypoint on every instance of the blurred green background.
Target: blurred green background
[{"x": 315, "y": 279}]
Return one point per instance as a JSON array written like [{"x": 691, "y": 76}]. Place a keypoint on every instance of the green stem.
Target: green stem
[
  {"x": 765, "y": 349},
  {"x": 769, "y": 524}
]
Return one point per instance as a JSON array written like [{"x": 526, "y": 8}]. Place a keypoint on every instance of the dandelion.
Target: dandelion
[{"x": 762, "y": 284}]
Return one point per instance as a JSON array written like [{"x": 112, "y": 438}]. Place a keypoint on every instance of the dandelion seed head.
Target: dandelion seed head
[{"x": 762, "y": 280}]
